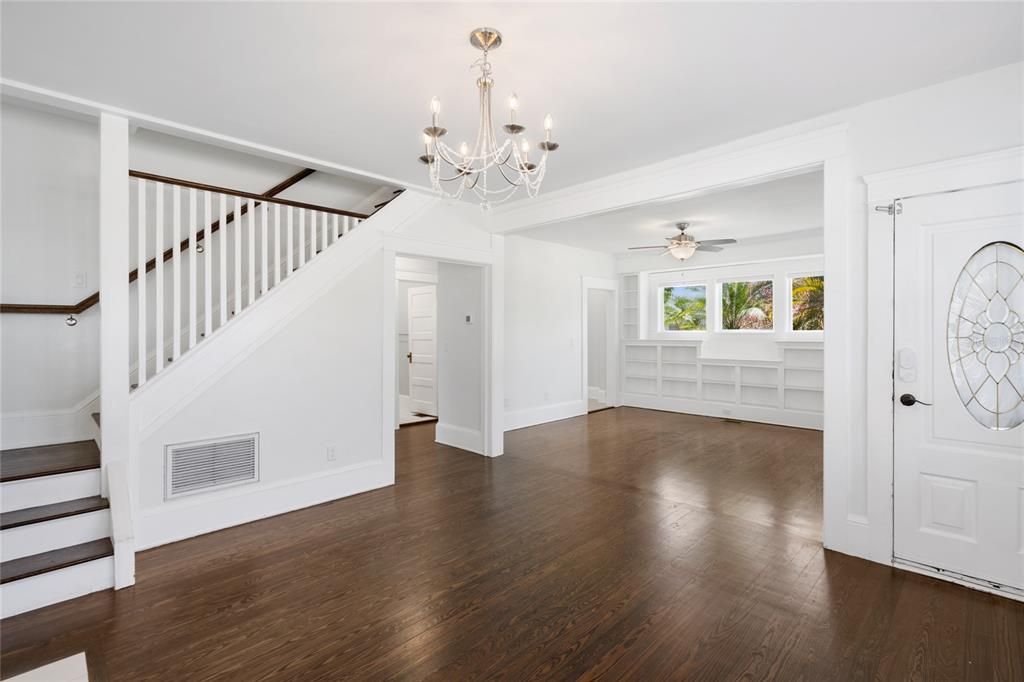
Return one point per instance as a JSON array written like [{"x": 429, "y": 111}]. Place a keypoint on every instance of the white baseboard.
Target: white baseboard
[
  {"x": 546, "y": 413},
  {"x": 459, "y": 437},
  {"x": 197, "y": 515},
  {"x": 46, "y": 427},
  {"x": 596, "y": 393},
  {"x": 42, "y": 590}
]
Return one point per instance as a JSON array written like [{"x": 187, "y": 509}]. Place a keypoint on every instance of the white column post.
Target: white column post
[
  {"x": 114, "y": 340},
  {"x": 114, "y": 306}
]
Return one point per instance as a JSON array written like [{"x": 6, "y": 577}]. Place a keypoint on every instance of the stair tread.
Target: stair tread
[
  {"x": 28, "y": 566},
  {"x": 49, "y": 512},
  {"x": 46, "y": 460}
]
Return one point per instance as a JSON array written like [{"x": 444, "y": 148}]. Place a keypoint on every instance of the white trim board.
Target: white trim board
[
  {"x": 188, "y": 517},
  {"x": 533, "y": 416},
  {"x": 459, "y": 437}
]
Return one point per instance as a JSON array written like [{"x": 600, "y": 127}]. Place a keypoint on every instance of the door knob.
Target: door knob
[
  {"x": 909, "y": 400},
  {"x": 409, "y": 356}
]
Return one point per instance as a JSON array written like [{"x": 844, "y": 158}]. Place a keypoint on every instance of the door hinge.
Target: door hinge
[{"x": 895, "y": 208}]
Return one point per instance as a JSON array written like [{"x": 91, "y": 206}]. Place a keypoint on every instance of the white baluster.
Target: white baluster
[
  {"x": 192, "y": 221},
  {"x": 237, "y": 297},
  {"x": 334, "y": 228},
  {"x": 251, "y": 234},
  {"x": 264, "y": 249},
  {"x": 302, "y": 237},
  {"x": 346, "y": 225},
  {"x": 323, "y": 231},
  {"x": 277, "y": 244},
  {"x": 176, "y": 273},
  {"x": 140, "y": 289},
  {"x": 223, "y": 252},
  {"x": 207, "y": 264},
  {"x": 158, "y": 279},
  {"x": 291, "y": 242}
]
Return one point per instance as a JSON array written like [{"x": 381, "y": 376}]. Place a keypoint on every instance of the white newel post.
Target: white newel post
[{"x": 114, "y": 339}]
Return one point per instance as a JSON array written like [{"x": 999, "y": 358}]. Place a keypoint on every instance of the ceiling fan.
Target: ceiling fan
[{"x": 682, "y": 245}]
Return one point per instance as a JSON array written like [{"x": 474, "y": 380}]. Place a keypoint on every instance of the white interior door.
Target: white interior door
[
  {"x": 423, "y": 349},
  {"x": 958, "y": 471}
]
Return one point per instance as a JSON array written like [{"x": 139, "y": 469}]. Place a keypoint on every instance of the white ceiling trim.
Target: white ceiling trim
[
  {"x": 70, "y": 103},
  {"x": 755, "y": 159}
]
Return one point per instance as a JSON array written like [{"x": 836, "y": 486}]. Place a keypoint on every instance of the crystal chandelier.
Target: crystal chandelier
[{"x": 452, "y": 172}]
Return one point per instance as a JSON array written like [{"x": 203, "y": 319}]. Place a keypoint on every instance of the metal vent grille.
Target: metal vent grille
[{"x": 207, "y": 465}]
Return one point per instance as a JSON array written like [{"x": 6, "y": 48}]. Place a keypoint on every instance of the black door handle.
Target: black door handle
[{"x": 909, "y": 400}]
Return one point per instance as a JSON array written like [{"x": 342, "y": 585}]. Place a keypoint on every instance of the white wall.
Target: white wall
[
  {"x": 598, "y": 311},
  {"x": 49, "y": 373},
  {"x": 460, "y": 356},
  {"x": 314, "y": 384},
  {"x": 543, "y": 321}
]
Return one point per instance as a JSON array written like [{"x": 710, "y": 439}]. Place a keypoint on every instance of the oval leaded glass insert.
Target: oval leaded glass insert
[{"x": 986, "y": 336}]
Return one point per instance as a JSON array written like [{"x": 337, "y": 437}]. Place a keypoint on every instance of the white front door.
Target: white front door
[
  {"x": 423, "y": 349},
  {"x": 958, "y": 471}
]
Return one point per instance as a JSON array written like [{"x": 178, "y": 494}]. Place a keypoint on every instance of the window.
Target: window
[
  {"x": 747, "y": 305},
  {"x": 684, "y": 308},
  {"x": 808, "y": 303}
]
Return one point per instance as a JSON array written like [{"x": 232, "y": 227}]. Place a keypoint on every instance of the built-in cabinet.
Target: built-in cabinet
[{"x": 672, "y": 375}]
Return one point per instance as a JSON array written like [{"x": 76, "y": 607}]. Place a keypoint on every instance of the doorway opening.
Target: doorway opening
[
  {"x": 599, "y": 370},
  {"x": 440, "y": 349}
]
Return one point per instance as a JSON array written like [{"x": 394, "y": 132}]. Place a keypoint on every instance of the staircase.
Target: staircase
[
  {"x": 55, "y": 525},
  {"x": 67, "y": 512}
]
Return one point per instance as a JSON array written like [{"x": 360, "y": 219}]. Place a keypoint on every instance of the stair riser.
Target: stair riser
[
  {"x": 35, "y": 492},
  {"x": 56, "y": 586},
  {"x": 37, "y": 538}
]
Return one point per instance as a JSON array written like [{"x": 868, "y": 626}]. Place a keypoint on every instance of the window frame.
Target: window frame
[
  {"x": 659, "y": 297},
  {"x": 719, "y": 326},
  {"x": 790, "y": 277}
]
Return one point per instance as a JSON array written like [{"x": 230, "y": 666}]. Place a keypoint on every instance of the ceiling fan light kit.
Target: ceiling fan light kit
[
  {"x": 452, "y": 171},
  {"x": 683, "y": 245}
]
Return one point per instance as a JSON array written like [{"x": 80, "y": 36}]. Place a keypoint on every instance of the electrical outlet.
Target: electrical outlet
[
  {"x": 331, "y": 453},
  {"x": 469, "y": 319},
  {"x": 81, "y": 278}
]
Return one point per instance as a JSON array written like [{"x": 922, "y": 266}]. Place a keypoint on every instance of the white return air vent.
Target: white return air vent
[{"x": 201, "y": 466}]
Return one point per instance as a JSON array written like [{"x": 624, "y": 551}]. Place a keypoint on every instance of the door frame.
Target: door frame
[
  {"x": 885, "y": 189},
  {"x": 491, "y": 261},
  {"x": 611, "y": 340}
]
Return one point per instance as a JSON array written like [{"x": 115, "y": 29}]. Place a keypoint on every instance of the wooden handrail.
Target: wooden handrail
[
  {"x": 92, "y": 299},
  {"x": 248, "y": 195}
]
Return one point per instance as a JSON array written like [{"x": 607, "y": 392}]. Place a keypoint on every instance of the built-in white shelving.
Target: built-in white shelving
[
  {"x": 629, "y": 315},
  {"x": 672, "y": 375}
]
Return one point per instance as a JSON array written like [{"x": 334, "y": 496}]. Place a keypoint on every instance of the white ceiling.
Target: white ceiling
[
  {"x": 628, "y": 84},
  {"x": 767, "y": 209}
]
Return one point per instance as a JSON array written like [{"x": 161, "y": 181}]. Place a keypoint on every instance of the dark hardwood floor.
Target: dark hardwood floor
[{"x": 627, "y": 544}]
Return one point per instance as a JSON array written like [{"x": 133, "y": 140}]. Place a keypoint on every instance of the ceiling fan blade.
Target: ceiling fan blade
[
  {"x": 704, "y": 247},
  {"x": 638, "y": 248},
  {"x": 714, "y": 242}
]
